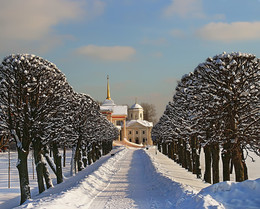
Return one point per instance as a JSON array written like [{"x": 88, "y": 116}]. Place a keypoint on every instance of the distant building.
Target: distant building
[
  {"x": 116, "y": 114},
  {"x": 136, "y": 129}
]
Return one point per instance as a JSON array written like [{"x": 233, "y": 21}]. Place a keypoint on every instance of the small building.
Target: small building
[{"x": 138, "y": 130}]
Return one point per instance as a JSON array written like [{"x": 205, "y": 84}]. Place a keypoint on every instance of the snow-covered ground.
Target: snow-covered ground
[
  {"x": 137, "y": 178},
  {"x": 10, "y": 197},
  {"x": 252, "y": 163}
]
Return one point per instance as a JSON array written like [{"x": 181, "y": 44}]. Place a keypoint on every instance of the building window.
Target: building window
[
  {"x": 130, "y": 132},
  {"x": 130, "y": 140},
  {"x": 136, "y": 132},
  {"x": 118, "y": 123},
  {"x": 131, "y": 116},
  {"x": 144, "y": 140},
  {"x": 137, "y": 140},
  {"x": 143, "y": 132},
  {"x": 140, "y": 115}
]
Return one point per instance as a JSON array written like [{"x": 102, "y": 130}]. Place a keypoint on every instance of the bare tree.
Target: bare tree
[{"x": 149, "y": 112}]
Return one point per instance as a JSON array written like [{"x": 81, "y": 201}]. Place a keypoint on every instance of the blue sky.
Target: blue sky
[{"x": 145, "y": 46}]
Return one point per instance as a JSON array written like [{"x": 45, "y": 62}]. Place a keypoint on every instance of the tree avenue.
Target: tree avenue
[
  {"x": 215, "y": 108},
  {"x": 39, "y": 111}
]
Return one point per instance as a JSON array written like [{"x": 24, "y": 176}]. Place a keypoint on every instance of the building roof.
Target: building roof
[
  {"x": 136, "y": 106},
  {"x": 110, "y": 106},
  {"x": 120, "y": 110},
  {"x": 141, "y": 122},
  {"x": 108, "y": 102},
  {"x": 115, "y": 109}
]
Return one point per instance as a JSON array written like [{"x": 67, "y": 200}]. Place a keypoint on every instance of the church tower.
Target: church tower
[
  {"x": 108, "y": 89},
  {"x": 116, "y": 114}
]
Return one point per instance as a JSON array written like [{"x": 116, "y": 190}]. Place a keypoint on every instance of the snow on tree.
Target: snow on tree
[
  {"x": 233, "y": 88},
  {"x": 40, "y": 109},
  {"x": 29, "y": 90},
  {"x": 218, "y": 106}
]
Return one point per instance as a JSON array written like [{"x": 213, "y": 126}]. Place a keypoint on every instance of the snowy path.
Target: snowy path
[{"x": 130, "y": 187}]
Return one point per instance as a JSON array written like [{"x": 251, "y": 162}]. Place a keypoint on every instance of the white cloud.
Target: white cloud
[
  {"x": 229, "y": 32},
  {"x": 29, "y": 24},
  {"x": 108, "y": 53},
  {"x": 185, "y": 8}
]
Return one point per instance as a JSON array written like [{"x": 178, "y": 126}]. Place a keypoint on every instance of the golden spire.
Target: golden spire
[{"x": 108, "y": 89}]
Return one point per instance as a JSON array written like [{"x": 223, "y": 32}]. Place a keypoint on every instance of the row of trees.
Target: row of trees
[
  {"x": 217, "y": 108},
  {"x": 39, "y": 110}
]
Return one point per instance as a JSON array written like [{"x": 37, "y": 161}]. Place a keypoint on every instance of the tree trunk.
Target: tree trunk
[
  {"x": 164, "y": 148},
  {"x": 238, "y": 164},
  {"x": 110, "y": 146},
  {"x": 159, "y": 147},
  {"x": 78, "y": 158},
  {"x": 84, "y": 158},
  {"x": 197, "y": 165},
  {"x": 97, "y": 150},
  {"x": 49, "y": 160},
  {"x": 80, "y": 162},
  {"x": 175, "y": 151},
  {"x": 225, "y": 155},
  {"x": 57, "y": 161},
  {"x": 188, "y": 157},
  {"x": 171, "y": 150},
  {"x": 72, "y": 160},
  {"x": 89, "y": 147},
  {"x": 207, "y": 175},
  {"x": 244, "y": 164},
  {"x": 193, "y": 153},
  {"x": 89, "y": 158},
  {"x": 184, "y": 160},
  {"x": 64, "y": 156},
  {"x": 93, "y": 152},
  {"x": 23, "y": 176},
  {"x": 47, "y": 176},
  {"x": 104, "y": 148},
  {"x": 180, "y": 152},
  {"x": 195, "y": 157},
  {"x": 215, "y": 162},
  {"x": 39, "y": 164}
]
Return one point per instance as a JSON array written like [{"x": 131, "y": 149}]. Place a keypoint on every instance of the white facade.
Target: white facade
[
  {"x": 138, "y": 130},
  {"x": 136, "y": 112}
]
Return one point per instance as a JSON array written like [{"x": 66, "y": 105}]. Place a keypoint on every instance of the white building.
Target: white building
[{"x": 138, "y": 130}]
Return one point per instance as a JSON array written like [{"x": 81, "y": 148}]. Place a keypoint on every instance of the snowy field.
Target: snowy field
[
  {"x": 132, "y": 178},
  {"x": 10, "y": 197}
]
